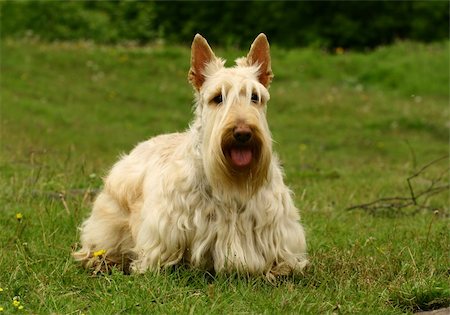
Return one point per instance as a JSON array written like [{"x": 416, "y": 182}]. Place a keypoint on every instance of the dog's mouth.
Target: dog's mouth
[
  {"x": 241, "y": 156},
  {"x": 241, "y": 148}
]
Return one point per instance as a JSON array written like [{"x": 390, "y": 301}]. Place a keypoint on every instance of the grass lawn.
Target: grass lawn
[{"x": 349, "y": 129}]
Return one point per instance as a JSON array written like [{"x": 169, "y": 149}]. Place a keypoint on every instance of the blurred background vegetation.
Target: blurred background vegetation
[{"x": 355, "y": 25}]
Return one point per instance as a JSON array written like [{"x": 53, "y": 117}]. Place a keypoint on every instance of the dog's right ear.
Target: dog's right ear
[{"x": 201, "y": 55}]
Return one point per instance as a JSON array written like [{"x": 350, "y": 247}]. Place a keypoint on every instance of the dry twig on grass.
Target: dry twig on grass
[{"x": 417, "y": 199}]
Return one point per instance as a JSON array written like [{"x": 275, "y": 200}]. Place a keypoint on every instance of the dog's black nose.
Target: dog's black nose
[{"x": 242, "y": 134}]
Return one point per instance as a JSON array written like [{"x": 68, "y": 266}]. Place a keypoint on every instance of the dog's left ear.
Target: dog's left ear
[
  {"x": 201, "y": 55},
  {"x": 260, "y": 54}
]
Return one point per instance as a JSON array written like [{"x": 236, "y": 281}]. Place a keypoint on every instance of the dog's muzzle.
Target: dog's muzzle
[
  {"x": 240, "y": 147},
  {"x": 241, "y": 153}
]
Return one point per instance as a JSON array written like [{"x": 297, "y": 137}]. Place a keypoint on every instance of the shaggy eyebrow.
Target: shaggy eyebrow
[{"x": 220, "y": 89}]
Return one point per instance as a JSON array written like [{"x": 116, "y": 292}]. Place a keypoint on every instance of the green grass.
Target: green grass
[{"x": 349, "y": 128}]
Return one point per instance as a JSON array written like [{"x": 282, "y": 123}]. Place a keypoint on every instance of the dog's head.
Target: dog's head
[{"x": 231, "y": 113}]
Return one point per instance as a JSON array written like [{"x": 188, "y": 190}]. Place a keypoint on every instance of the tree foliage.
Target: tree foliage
[{"x": 287, "y": 23}]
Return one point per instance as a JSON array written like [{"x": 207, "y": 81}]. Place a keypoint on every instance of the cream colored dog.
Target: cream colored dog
[{"x": 213, "y": 196}]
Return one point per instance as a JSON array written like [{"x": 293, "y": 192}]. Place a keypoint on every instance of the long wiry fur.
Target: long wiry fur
[{"x": 176, "y": 199}]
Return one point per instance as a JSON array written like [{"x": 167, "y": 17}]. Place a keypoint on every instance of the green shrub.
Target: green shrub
[{"x": 325, "y": 24}]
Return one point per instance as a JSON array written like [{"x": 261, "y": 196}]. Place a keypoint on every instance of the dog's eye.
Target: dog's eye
[
  {"x": 255, "y": 98},
  {"x": 217, "y": 99}
]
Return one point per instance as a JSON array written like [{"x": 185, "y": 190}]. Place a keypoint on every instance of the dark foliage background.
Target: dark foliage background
[{"x": 356, "y": 25}]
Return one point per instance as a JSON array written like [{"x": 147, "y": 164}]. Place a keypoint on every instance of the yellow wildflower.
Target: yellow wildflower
[
  {"x": 19, "y": 216},
  {"x": 16, "y": 303},
  {"x": 20, "y": 307},
  {"x": 100, "y": 252},
  {"x": 1, "y": 309},
  {"x": 1, "y": 289}
]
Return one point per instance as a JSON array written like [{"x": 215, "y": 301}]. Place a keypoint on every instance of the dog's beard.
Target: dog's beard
[{"x": 237, "y": 169}]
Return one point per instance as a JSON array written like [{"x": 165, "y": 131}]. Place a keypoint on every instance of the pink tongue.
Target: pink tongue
[{"x": 241, "y": 156}]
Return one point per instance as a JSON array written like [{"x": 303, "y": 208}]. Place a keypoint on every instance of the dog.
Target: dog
[{"x": 212, "y": 197}]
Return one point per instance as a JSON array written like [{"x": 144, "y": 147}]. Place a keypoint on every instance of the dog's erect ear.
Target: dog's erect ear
[
  {"x": 201, "y": 55},
  {"x": 260, "y": 54}
]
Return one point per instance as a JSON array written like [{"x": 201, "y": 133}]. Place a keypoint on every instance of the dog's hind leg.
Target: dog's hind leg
[{"x": 105, "y": 233}]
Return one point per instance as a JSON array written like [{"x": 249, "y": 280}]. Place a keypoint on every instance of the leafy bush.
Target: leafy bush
[
  {"x": 104, "y": 22},
  {"x": 324, "y": 24}
]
